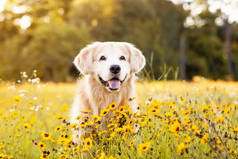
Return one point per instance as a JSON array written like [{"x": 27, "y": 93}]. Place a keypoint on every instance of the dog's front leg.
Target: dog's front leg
[{"x": 136, "y": 110}]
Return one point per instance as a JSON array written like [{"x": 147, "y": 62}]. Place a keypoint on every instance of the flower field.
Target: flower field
[{"x": 196, "y": 119}]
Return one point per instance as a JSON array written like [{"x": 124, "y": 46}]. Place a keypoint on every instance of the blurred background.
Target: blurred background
[{"x": 180, "y": 38}]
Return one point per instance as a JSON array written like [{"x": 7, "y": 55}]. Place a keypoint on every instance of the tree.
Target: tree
[{"x": 49, "y": 48}]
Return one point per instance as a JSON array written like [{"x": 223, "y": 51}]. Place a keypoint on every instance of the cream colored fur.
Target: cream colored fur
[{"x": 91, "y": 93}]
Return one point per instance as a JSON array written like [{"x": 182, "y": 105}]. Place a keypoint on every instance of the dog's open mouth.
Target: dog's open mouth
[{"x": 113, "y": 84}]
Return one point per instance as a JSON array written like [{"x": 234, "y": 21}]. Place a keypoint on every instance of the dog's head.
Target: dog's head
[{"x": 110, "y": 63}]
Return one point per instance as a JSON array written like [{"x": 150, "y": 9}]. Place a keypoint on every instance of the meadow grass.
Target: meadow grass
[{"x": 196, "y": 119}]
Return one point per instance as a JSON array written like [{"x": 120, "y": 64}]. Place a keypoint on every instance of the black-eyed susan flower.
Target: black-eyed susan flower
[
  {"x": 111, "y": 157},
  {"x": 156, "y": 104},
  {"x": 59, "y": 116},
  {"x": 63, "y": 156},
  {"x": 18, "y": 99},
  {"x": 153, "y": 111},
  {"x": 27, "y": 126},
  {"x": 102, "y": 155},
  {"x": 143, "y": 147},
  {"x": 2, "y": 155},
  {"x": 104, "y": 112},
  {"x": 44, "y": 156},
  {"x": 84, "y": 149},
  {"x": 79, "y": 117},
  {"x": 143, "y": 121},
  {"x": 111, "y": 126},
  {"x": 74, "y": 125},
  {"x": 181, "y": 148},
  {"x": 102, "y": 132},
  {"x": 205, "y": 138},
  {"x": 88, "y": 142},
  {"x": 132, "y": 142},
  {"x": 112, "y": 106},
  {"x": 188, "y": 140},
  {"x": 219, "y": 119},
  {"x": 124, "y": 137},
  {"x": 181, "y": 99},
  {"x": 175, "y": 127},
  {"x": 95, "y": 118},
  {"x": 1, "y": 145},
  {"x": 58, "y": 128},
  {"x": 41, "y": 145},
  {"x": 31, "y": 102},
  {"x": 235, "y": 129},
  {"x": 45, "y": 135},
  {"x": 86, "y": 111}
]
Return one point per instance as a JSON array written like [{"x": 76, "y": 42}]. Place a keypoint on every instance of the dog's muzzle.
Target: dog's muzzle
[{"x": 112, "y": 84}]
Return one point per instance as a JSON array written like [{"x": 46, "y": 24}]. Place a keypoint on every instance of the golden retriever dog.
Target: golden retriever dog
[{"x": 109, "y": 73}]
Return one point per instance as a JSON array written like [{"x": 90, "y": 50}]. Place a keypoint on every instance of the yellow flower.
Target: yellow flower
[
  {"x": 44, "y": 156},
  {"x": 219, "y": 119},
  {"x": 2, "y": 155},
  {"x": 58, "y": 128},
  {"x": 111, "y": 157},
  {"x": 10, "y": 157},
  {"x": 143, "y": 147},
  {"x": 58, "y": 116},
  {"x": 205, "y": 138},
  {"x": 102, "y": 155},
  {"x": 218, "y": 141},
  {"x": 181, "y": 147},
  {"x": 18, "y": 99},
  {"x": 156, "y": 104},
  {"x": 96, "y": 118},
  {"x": 78, "y": 117},
  {"x": 111, "y": 126},
  {"x": 41, "y": 145},
  {"x": 188, "y": 140},
  {"x": 173, "y": 103},
  {"x": 182, "y": 99},
  {"x": 27, "y": 126},
  {"x": 102, "y": 132},
  {"x": 143, "y": 121},
  {"x": 168, "y": 114},
  {"x": 235, "y": 129},
  {"x": 132, "y": 142},
  {"x": 31, "y": 102},
  {"x": 1, "y": 145},
  {"x": 88, "y": 142},
  {"x": 84, "y": 149},
  {"x": 112, "y": 106},
  {"x": 123, "y": 108},
  {"x": 153, "y": 111},
  {"x": 174, "y": 128},
  {"x": 74, "y": 125},
  {"x": 124, "y": 137},
  {"x": 86, "y": 111},
  {"x": 46, "y": 136},
  {"x": 104, "y": 112},
  {"x": 128, "y": 128},
  {"x": 63, "y": 156}
]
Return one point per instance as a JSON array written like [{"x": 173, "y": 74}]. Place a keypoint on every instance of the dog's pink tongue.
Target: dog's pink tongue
[{"x": 114, "y": 84}]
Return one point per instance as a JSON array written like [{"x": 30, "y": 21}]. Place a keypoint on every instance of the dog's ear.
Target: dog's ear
[
  {"x": 83, "y": 61},
  {"x": 137, "y": 59}
]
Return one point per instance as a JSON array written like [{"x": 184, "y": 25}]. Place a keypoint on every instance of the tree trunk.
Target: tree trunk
[
  {"x": 182, "y": 57},
  {"x": 228, "y": 47}
]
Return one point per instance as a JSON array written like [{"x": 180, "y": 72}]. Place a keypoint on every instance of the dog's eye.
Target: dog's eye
[
  {"x": 122, "y": 58},
  {"x": 102, "y": 58}
]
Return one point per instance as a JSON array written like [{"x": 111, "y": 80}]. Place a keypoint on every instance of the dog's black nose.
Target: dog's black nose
[{"x": 115, "y": 69}]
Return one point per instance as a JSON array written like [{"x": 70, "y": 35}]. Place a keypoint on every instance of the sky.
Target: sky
[{"x": 229, "y": 9}]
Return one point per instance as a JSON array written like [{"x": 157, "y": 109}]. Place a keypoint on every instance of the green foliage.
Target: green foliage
[
  {"x": 49, "y": 48},
  {"x": 59, "y": 29}
]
